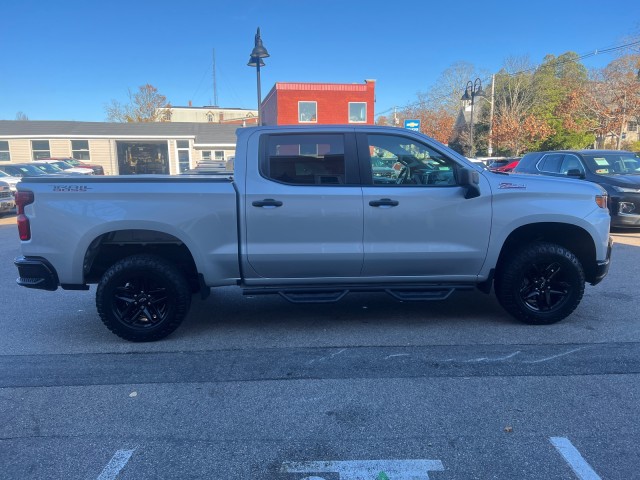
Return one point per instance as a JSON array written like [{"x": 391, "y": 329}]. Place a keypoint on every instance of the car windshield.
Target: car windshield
[
  {"x": 618, "y": 163},
  {"x": 62, "y": 165},
  {"x": 2, "y": 174},
  {"x": 27, "y": 171},
  {"x": 72, "y": 161},
  {"x": 48, "y": 168}
]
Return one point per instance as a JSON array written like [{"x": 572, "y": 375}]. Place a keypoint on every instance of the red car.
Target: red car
[{"x": 510, "y": 165}]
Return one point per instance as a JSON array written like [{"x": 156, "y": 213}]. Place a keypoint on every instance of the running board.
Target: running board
[{"x": 325, "y": 294}]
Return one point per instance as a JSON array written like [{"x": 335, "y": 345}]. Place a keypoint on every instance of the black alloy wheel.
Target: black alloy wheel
[
  {"x": 143, "y": 298},
  {"x": 541, "y": 284}
]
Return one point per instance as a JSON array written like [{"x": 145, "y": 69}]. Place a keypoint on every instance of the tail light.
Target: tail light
[{"x": 23, "y": 198}]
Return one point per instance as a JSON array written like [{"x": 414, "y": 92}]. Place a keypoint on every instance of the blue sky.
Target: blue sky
[{"x": 66, "y": 60}]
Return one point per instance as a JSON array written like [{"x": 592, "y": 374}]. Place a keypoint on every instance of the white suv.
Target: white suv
[{"x": 61, "y": 164}]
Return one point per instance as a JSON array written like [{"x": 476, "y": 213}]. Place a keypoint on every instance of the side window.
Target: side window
[
  {"x": 571, "y": 162},
  {"x": 305, "y": 159},
  {"x": 397, "y": 160},
  {"x": 551, "y": 163}
]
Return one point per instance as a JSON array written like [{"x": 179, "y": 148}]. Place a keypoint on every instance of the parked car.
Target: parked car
[
  {"x": 12, "y": 181},
  {"x": 504, "y": 164},
  {"x": 97, "y": 169},
  {"x": 509, "y": 166},
  {"x": 7, "y": 201},
  {"x": 618, "y": 172},
  {"x": 64, "y": 166},
  {"x": 498, "y": 163},
  {"x": 21, "y": 170}
]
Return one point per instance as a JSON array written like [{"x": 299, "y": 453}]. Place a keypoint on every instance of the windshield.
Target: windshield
[
  {"x": 49, "y": 168},
  {"x": 62, "y": 165},
  {"x": 616, "y": 163},
  {"x": 72, "y": 161}
]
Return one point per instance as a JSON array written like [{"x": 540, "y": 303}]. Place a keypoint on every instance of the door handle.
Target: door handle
[
  {"x": 384, "y": 202},
  {"x": 267, "y": 202}
]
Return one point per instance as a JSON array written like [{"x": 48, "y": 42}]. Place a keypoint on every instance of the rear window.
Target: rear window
[{"x": 305, "y": 159}]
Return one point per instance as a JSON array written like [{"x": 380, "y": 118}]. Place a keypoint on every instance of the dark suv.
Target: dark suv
[{"x": 618, "y": 172}]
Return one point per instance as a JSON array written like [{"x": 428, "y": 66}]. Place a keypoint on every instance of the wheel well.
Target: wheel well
[
  {"x": 111, "y": 247},
  {"x": 571, "y": 237}
]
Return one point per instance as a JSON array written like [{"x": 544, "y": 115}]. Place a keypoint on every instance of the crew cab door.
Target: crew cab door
[
  {"x": 417, "y": 221},
  {"x": 303, "y": 208}
]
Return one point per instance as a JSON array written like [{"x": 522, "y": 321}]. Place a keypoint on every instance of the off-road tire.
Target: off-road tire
[
  {"x": 541, "y": 284},
  {"x": 143, "y": 298}
]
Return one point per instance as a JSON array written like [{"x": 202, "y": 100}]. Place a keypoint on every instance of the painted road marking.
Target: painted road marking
[
  {"x": 577, "y": 463},
  {"x": 375, "y": 469},
  {"x": 117, "y": 463}
]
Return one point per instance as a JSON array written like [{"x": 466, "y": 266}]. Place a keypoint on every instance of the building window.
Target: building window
[
  {"x": 357, "y": 112},
  {"x": 219, "y": 154},
  {"x": 206, "y": 155},
  {"x": 210, "y": 117},
  {"x": 307, "y": 112},
  {"x": 80, "y": 149},
  {"x": 632, "y": 127},
  {"x": 183, "y": 155},
  {"x": 5, "y": 156},
  {"x": 40, "y": 149}
]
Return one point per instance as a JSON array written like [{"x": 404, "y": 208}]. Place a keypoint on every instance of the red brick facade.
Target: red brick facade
[{"x": 281, "y": 105}]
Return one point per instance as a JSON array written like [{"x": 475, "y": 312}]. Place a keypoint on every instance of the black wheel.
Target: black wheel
[
  {"x": 542, "y": 284},
  {"x": 143, "y": 298}
]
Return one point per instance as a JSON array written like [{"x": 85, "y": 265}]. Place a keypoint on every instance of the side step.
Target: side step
[{"x": 331, "y": 294}]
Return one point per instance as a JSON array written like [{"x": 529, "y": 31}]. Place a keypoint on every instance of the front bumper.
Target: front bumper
[
  {"x": 36, "y": 272},
  {"x": 602, "y": 267}
]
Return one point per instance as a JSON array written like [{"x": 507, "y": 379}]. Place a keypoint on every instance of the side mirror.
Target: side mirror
[
  {"x": 574, "y": 172},
  {"x": 470, "y": 179}
]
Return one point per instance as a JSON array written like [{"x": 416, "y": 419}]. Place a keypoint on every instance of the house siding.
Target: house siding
[{"x": 103, "y": 138}]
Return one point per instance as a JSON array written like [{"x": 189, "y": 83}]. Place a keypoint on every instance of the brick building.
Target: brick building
[{"x": 319, "y": 103}]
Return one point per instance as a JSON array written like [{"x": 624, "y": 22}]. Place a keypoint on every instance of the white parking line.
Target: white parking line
[
  {"x": 117, "y": 463},
  {"x": 374, "y": 469},
  {"x": 577, "y": 463}
]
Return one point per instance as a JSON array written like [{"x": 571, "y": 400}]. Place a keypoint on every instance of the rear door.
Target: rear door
[
  {"x": 417, "y": 223},
  {"x": 303, "y": 209}
]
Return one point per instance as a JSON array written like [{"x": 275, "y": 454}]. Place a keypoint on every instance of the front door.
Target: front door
[{"x": 417, "y": 222}]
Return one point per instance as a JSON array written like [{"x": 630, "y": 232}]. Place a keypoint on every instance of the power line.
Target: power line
[{"x": 533, "y": 69}]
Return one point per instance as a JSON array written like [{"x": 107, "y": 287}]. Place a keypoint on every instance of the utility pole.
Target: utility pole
[
  {"x": 215, "y": 86},
  {"x": 493, "y": 98}
]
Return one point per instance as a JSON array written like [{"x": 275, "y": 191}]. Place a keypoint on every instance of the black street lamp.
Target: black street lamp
[
  {"x": 471, "y": 91},
  {"x": 255, "y": 60}
]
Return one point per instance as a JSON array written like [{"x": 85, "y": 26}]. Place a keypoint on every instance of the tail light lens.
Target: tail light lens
[{"x": 23, "y": 198}]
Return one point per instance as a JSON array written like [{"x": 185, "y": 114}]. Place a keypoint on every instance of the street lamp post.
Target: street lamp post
[
  {"x": 255, "y": 60},
  {"x": 471, "y": 91}
]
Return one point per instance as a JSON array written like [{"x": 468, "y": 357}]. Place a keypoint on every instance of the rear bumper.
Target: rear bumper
[
  {"x": 602, "y": 267},
  {"x": 36, "y": 272}
]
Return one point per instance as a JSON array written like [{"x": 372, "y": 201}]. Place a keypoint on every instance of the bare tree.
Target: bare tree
[
  {"x": 21, "y": 116},
  {"x": 612, "y": 98},
  {"x": 146, "y": 105},
  {"x": 449, "y": 88},
  {"x": 515, "y": 97}
]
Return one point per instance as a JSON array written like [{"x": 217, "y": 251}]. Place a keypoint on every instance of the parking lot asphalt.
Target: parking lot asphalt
[{"x": 257, "y": 388}]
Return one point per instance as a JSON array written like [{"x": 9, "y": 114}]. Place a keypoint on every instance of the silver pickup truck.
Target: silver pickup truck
[{"x": 313, "y": 213}]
